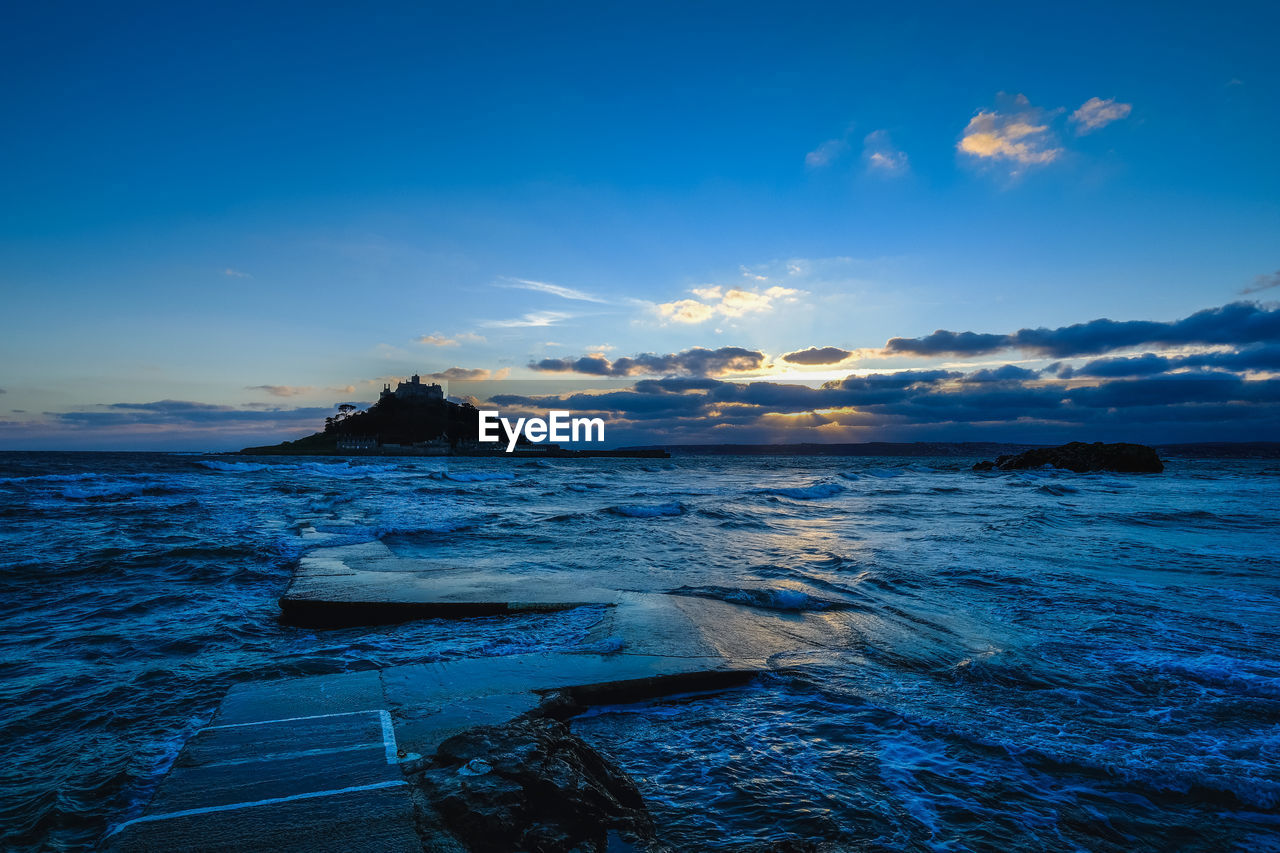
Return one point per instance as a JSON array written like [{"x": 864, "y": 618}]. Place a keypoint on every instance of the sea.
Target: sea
[{"x": 1036, "y": 660}]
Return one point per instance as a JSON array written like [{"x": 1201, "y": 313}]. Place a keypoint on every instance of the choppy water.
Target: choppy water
[{"x": 1025, "y": 661}]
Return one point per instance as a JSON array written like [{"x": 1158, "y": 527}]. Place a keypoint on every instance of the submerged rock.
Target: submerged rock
[
  {"x": 1081, "y": 457},
  {"x": 526, "y": 785}
]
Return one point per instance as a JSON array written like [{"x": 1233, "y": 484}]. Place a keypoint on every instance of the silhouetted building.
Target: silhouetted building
[{"x": 414, "y": 390}]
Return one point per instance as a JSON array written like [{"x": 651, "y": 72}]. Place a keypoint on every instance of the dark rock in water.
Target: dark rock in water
[
  {"x": 1081, "y": 457},
  {"x": 527, "y": 785}
]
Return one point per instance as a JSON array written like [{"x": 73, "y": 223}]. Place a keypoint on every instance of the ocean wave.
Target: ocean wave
[
  {"x": 1227, "y": 674},
  {"x": 471, "y": 476},
  {"x": 607, "y": 646},
  {"x": 653, "y": 511},
  {"x": 344, "y": 470},
  {"x": 118, "y": 491},
  {"x": 805, "y": 493},
  {"x": 234, "y": 467},
  {"x": 53, "y": 478},
  {"x": 775, "y": 598}
]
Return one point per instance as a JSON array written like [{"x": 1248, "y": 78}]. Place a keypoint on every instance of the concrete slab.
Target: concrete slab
[
  {"x": 368, "y": 585},
  {"x": 430, "y": 702},
  {"x": 364, "y": 821},
  {"x": 258, "y": 781},
  {"x": 230, "y": 744},
  {"x": 309, "y": 696}
]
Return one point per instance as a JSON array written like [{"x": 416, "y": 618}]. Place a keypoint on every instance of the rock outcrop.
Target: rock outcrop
[
  {"x": 1081, "y": 457},
  {"x": 526, "y": 785}
]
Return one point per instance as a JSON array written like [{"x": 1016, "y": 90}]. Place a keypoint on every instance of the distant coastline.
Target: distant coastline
[
  {"x": 1218, "y": 450},
  {"x": 324, "y": 445}
]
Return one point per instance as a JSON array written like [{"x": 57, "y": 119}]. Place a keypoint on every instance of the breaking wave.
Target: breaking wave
[
  {"x": 653, "y": 511},
  {"x": 778, "y": 598},
  {"x": 805, "y": 493}
]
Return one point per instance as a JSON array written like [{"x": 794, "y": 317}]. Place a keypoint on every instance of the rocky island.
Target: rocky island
[
  {"x": 1081, "y": 457},
  {"x": 416, "y": 419}
]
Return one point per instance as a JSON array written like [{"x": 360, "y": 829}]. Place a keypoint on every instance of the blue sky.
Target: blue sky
[{"x": 250, "y": 214}]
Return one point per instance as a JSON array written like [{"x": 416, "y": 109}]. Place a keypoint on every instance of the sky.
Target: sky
[{"x": 770, "y": 222}]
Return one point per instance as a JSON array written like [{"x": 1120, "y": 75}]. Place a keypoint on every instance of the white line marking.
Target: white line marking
[
  {"x": 272, "y": 801},
  {"x": 293, "y": 719},
  {"x": 388, "y": 746},
  {"x": 388, "y": 731},
  {"x": 389, "y": 738}
]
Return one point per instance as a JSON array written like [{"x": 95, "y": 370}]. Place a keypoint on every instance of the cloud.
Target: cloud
[
  {"x": 1146, "y": 364},
  {"x": 1007, "y": 373},
  {"x": 553, "y": 289},
  {"x": 1018, "y": 135},
  {"x": 1263, "y": 282},
  {"x": 531, "y": 320},
  {"x": 1097, "y": 113},
  {"x": 943, "y": 342},
  {"x": 461, "y": 373},
  {"x": 1238, "y": 323},
  {"x": 281, "y": 390},
  {"x": 187, "y": 413},
  {"x": 826, "y": 153},
  {"x": 231, "y": 273},
  {"x": 817, "y": 355},
  {"x": 941, "y": 403},
  {"x": 721, "y": 302},
  {"x": 1260, "y": 358},
  {"x": 695, "y": 362},
  {"x": 441, "y": 340},
  {"x": 686, "y": 311},
  {"x": 880, "y": 155}
]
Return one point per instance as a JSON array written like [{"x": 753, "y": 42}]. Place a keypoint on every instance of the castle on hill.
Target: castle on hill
[{"x": 414, "y": 390}]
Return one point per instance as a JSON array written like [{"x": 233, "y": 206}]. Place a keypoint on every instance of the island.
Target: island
[
  {"x": 417, "y": 419},
  {"x": 1081, "y": 458}
]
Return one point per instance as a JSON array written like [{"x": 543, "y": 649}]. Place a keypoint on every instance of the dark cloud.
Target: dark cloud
[
  {"x": 1007, "y": 373},
  {"x": 943, "y": 342},
  {"x": 1263, "y": 282},
  {"x": 900, "y": 379},
  {"x": 817, "y": 355},
  {"x": 1146, "y": 364},
  {"x": 1174, "y": 389},
  {"x": 591, "y": 365},
  {"x": 694, "y": 362},
  {"x": 459, "y": 373},
  {"x": 1016, "y": 402},
  {"x": 676, "y": 384},
  {"x": 280, "y": 390},
  {"x": 187, "y": 413},
  {"x": 1239, "y": 324},
  {"x": 1256, "y": 358}
]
